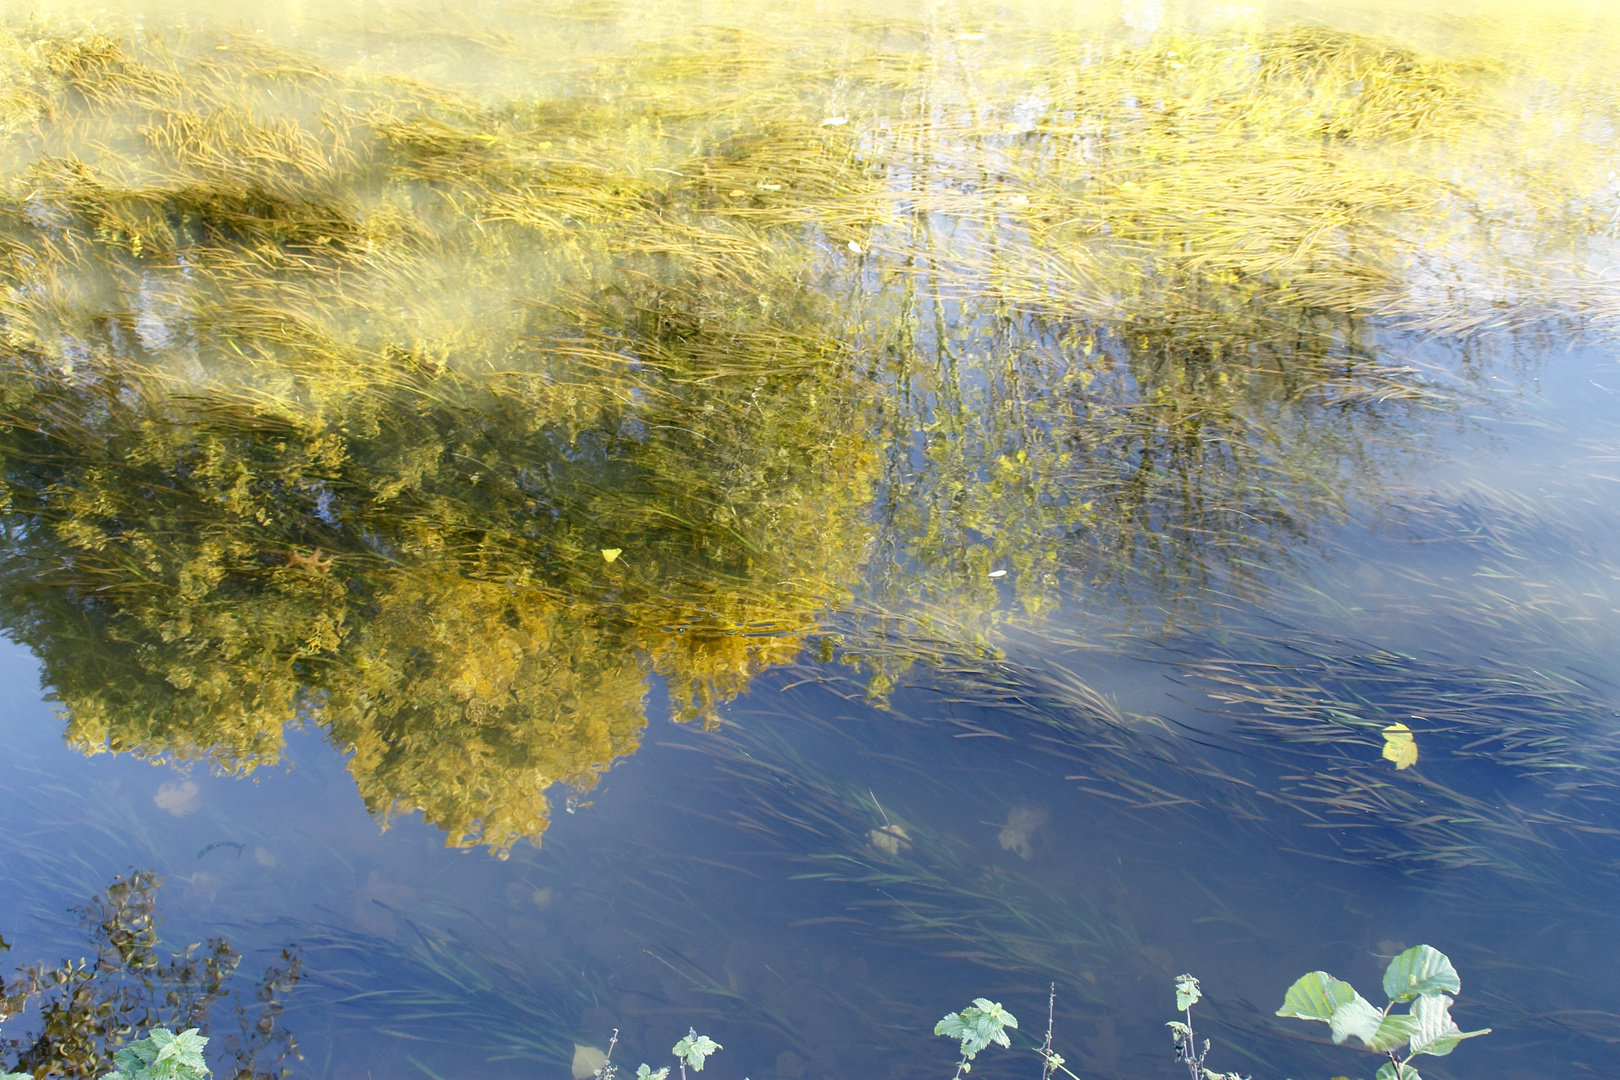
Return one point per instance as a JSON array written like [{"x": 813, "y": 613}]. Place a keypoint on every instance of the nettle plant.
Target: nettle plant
[
  {"x": 693, "y": 1050},
  {"x": 161, "y": 1055},
  {"x": 985, "y": 1022},
  {"x": 1421, "y": 975}
]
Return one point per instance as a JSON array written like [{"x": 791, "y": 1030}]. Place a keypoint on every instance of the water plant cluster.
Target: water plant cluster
[
  {"x": 1421, "y": 975},
  {"x": 115, "y": 1015}
]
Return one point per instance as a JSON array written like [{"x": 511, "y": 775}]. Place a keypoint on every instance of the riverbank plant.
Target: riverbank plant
[
  {"x": 89, "y": 1009},
  {"x": 1421, "y": 975},
  {"x": 692, "y": 1049}
]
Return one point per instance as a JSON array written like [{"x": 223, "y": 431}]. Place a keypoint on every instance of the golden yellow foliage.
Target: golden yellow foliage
[{"x": 1399, "y": 746}]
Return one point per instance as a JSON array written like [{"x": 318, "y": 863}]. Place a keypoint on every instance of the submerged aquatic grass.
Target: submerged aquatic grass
[{"x": 326, "y": 390}]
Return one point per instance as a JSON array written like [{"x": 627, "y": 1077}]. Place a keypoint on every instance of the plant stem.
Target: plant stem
[{"x": 1046, "y": 1047}]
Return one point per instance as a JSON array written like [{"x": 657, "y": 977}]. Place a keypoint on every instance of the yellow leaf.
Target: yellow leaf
[
  {"x": 611, "y": 553},
  {"x": 1399, "y": 746}
]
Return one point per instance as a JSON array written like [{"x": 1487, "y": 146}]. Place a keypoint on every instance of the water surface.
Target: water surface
[{"x": 590, "y": 517}]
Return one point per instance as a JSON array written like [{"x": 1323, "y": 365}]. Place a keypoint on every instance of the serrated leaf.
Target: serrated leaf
[
  {"x": 1437, "y": 1034},
  {"x": 694, "y": 1049},
  {"x": 645, "y": 1073},
  {"x": 1399, "y": 746},
  {"x": 1420, "y": 970},
  {"x": 1187, "y": 992},
  {"x": 184, "y": 1051},
  {"x": 977, "y": 1026},
  {"x": 1316, "y": 996}
]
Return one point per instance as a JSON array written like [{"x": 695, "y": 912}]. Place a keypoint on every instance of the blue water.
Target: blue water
[{"x": 728, "y": 879}]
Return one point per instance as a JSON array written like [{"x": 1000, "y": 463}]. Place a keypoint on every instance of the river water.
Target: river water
[{"x": 575, "y": 518}]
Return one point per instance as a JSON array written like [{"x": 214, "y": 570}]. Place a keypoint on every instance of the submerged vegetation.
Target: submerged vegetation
[
  {"x": 457, "y": 422},
  {"x": 327, "y": 393},
  {"x": 95, "y": 1015}
]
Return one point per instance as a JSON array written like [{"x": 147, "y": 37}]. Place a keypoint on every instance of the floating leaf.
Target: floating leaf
[
  {"x": 890, "y": 839},
  {"x": 1399, "y": 746},
  {"x": 1187, "y": 992},
  {"x": 612, "y": 553},
  {"x": 1420, "y": 970},
  {"x": 1436, "y": 1033}
]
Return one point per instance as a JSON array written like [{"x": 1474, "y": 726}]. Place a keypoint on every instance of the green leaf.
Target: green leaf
[
  {"x": 1436, "y": 1033},
  {"x": 1178, "y": 1029},
  {"x": 1316, "y": 996},
  {"x": 644, "y": 1073},
  {"x": 1358, "y": 1017},
  {"x": 183, "y": 1053},
  {"x": 694, "y": 1049},
  {"x": 1420, "y": 970},
  {"x": 977, "y": 1026},
  {"x": 1187, "y": 992},
  {"x": 1392, "y": 1032},
  {"x": 1388, "y": 1071}
]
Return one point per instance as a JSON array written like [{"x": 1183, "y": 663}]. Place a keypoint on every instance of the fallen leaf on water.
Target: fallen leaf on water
[
  {"x": 891, "y": 839},
  {"x": 612, "y": 553},
  {"x": 1399, "y": 746}
]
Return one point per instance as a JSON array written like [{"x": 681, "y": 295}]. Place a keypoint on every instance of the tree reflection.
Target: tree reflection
[{"x": 441, "y": 425}]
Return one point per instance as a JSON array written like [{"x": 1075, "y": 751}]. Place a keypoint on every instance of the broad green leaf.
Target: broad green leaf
[
  {"x": 1316, "y": 996},
  {"x": 1436, "y": 1032},
  {"x": 1388, "y": 1071},
  {"x": 1390, "y": 1033},
  {"x": 978, "y": 1025},
  {"x": 1399, "y": 746},
  {"x": 1420, "y": 970},
  {"x": 694, "y": 1049},
  {"x": 1187, "y": 992},
  {"x": 1358, "y": 1017},
  {"x": 645, "y": 1073}
]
